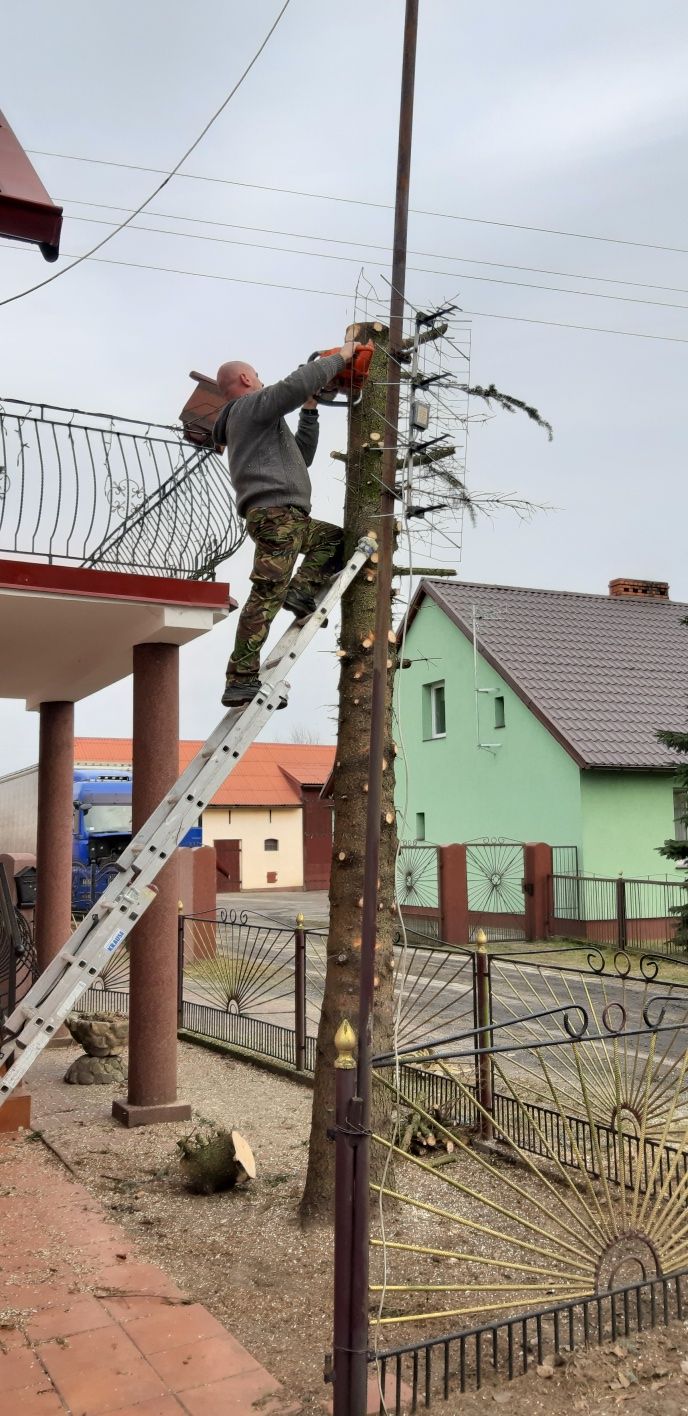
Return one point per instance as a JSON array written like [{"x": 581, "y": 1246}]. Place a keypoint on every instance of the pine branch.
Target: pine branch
[
  {"x": 508, "y": 402},
  {"x": 674, "y": 850},
  {"x": 676, "y": 740}
]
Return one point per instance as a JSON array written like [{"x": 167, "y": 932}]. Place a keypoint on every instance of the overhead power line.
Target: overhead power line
[
  {"x": 348, "y": 295},
  {"x": 359, "y": 201},
  {"x": 167, "y": 176},
  {"x": 385, "y": 265},
  {"x": 379, "y": 246}
]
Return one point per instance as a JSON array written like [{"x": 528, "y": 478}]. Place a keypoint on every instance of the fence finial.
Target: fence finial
[
  {"x": 345, "y": 1042},
  {"x": 480, "y": 938},
  {"x": 300, "y": 921}
]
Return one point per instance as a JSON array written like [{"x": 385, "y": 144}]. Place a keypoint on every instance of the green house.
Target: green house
[{"x": 531, "y": 715}]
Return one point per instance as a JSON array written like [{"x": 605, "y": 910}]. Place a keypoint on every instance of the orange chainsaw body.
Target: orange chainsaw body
[
  {"x": 354, "y": 375},
  {"x": 351, "y": 378}
]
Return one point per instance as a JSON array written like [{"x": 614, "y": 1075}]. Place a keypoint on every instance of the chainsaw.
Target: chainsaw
[{"x": 349, "y": 382}]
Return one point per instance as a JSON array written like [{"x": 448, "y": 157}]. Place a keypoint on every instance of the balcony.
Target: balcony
[{"x": 110, "y": 493}]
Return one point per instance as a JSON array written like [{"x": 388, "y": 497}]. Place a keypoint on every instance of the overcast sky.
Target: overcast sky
[{"x": 565, "y": 117}]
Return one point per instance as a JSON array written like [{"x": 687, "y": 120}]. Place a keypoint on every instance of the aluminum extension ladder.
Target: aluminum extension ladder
[{"x": 41, "y": 1011}]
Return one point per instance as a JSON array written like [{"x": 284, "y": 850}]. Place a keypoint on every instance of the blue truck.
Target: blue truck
[
  {"x": 102, "y": 814},
  {"x": 102, "y": 830},
  {"x": 101, "y": 826}
]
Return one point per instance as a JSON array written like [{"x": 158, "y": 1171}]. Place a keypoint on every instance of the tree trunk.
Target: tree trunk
[{"x": 362, "y": 510}]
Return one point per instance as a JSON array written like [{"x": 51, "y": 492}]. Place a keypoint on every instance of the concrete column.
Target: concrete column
[
  {"x": 54, "y": 839},
  {"x": 453, "y": 894},
  {"x": 537, "y": 870},
  {"x": 152, "y": 1092}
]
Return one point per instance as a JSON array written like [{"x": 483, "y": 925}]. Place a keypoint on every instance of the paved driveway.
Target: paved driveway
[{"x": 280, "y": 906}]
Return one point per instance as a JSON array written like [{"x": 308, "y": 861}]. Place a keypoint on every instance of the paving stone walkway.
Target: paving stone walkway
[{"x": 87, "y": 1327}]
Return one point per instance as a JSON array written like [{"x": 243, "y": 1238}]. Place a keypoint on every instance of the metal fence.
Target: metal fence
[
  {"x": 88, "y": 884},
  {"x": 565, "y": 860},
  {"x": 465, "y": 1361},
  {"x": 111, "y": 493},
  {"x": 616, "y": 912},
  {"x": 418, "y": 889},
  {"x": 495, "y": 880},
  {"x": 18, "y": 963},
  {"x": 259, "y": 988}
]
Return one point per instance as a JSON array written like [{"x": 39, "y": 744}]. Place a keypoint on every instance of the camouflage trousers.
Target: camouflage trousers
[{"x": 280, "y": 535}]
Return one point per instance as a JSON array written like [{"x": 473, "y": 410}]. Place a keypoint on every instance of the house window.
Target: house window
[
  {"x": 680, "y": 814},
  {"x": 437, "y": 712},
  {"x": 420, "y": 825},
  {"x": 271, "y": 844},
  {"x": 434, "y": 717},
  {"x": 499, "y": 719}
]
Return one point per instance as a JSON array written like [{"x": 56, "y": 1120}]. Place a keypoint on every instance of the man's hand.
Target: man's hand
[
  {"x": 310, "y": 403},
  {"x": 351, "y": 347}
]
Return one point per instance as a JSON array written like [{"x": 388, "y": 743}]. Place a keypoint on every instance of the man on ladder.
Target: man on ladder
[{"x": 268, "y": 467}]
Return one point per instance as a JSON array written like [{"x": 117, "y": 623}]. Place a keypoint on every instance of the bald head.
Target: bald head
[{"x": 235, "y": 378}]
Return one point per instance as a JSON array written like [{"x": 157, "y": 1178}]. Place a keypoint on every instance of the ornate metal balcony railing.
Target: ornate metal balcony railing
[{"x": 112, "y": 493}]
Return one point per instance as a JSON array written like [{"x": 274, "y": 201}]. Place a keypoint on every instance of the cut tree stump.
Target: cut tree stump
[{"x": 214, "y": 1159}]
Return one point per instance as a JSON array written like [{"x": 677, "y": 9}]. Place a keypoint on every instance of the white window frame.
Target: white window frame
[{"x": 435, "y": 689}]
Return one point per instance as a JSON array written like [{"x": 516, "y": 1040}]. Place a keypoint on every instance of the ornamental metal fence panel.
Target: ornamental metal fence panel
[
  {"x": 545, "y": 1152},
  {"x": 112, "y": 493}
]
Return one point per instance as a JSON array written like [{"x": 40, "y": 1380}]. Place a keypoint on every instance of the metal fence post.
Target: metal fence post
[
  {"x": 180, "y": 967},
  {"x": 300, "y": 994},
  {"x": 621, "y": 916},
  {"x": 483, "y": 1009},
  {"x": 345, "y": 1086}
]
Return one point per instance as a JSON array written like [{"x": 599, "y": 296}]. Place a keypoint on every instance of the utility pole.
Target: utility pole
[{"x": 360, "y": 1227}]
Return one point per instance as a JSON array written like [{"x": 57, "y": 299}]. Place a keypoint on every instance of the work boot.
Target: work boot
[
  {"x": 300, "y": 603},
  {"x": 241, "y": 691}
]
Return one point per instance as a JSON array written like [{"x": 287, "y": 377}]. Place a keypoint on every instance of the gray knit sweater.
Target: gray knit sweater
[{"x": 268, "y": 466}]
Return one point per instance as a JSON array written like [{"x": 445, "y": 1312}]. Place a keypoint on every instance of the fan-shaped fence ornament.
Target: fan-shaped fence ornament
[{"x": 583, "y": 1187}]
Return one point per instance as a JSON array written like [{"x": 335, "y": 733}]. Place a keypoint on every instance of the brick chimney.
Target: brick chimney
[{"x": 639, "y": 589}]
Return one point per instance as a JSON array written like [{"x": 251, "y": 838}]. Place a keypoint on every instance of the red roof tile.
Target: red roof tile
[{"x": 269, "y": 774}]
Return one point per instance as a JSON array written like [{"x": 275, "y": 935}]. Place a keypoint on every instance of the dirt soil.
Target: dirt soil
[
  {"x": 646, "y": 1374},
  {"x": 245, "y": 1256}
]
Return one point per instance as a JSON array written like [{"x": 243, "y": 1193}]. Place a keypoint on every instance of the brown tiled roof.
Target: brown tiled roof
[
  {"x": 269, "y": 774},
  {"x": 602, "y": 673}
]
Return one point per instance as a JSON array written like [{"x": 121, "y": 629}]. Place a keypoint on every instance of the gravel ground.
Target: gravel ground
[{"x": 244, "y": 1255}]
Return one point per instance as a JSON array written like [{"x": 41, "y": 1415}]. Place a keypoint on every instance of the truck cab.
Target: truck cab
[{"x": 102, "y": 814}]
